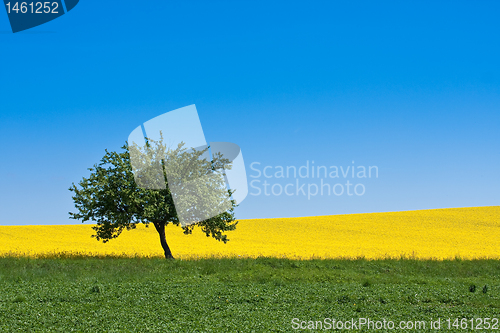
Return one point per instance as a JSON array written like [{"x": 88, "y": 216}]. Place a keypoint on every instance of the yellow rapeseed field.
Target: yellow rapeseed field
[{"x": 467, "y": 233}]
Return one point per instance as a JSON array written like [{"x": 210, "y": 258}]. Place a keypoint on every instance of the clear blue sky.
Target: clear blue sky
[{"x": 411, "y": 87}]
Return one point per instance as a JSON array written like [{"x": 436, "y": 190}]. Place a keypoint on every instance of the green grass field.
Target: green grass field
[{"x": 237, "y": 295}]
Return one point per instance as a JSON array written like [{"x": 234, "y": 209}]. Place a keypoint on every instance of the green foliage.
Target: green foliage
[
  {"x": 235, "y": 295},
  {"x": 111, "y": 197}
]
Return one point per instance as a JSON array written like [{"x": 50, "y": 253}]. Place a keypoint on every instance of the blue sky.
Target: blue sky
[{"x": 410, "y": 87}]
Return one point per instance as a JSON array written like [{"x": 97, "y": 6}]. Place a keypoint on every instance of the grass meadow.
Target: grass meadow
[{"x": 84, "y": 294}]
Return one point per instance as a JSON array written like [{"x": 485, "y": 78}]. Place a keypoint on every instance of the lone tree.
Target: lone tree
[{"x": 116, "y": 199}]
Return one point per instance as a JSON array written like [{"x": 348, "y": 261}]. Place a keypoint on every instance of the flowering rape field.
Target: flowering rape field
[{"x": 467, "y": 233}]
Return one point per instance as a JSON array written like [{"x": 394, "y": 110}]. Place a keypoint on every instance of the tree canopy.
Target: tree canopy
[{"x": 181, "y": 186}]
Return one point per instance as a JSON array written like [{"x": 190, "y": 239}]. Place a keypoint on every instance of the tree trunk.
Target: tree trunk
[{"x": 160, "y": 227}]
